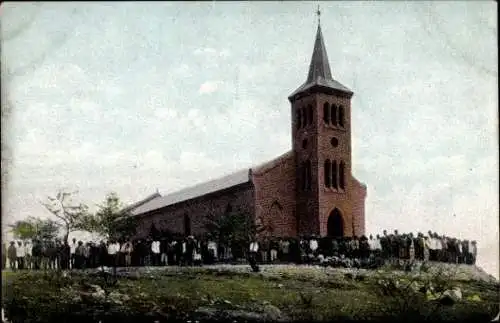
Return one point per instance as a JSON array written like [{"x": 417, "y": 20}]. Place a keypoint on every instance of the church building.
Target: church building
[{"x": 307, "y": 190}]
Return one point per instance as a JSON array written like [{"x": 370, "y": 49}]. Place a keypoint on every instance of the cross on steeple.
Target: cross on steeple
[{"x": 318, "y": 12}]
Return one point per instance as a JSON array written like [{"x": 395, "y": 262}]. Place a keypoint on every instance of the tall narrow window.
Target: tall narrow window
[
  {"x": 308, "y": 175},
  {"x": 341, "y": 175},
  {"x": 302, "y": 118},
  {"x": 328, "y": 173},
  {"x": 187, "y": 225},
  {"x": 309, "y": 114},
  {"x": 341, "y": 116},
  {"x": 326, "y": 112},
  {"x": 333, "y": 115},
  {"x": 303, "y": 176},
  {"x": 299, "y": 119},
  {"x": 334, "y": 175}
]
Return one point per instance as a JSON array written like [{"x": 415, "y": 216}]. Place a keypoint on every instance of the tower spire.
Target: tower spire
[
  {"x": 319, "y": 67},
  {"x": 318, "y": 12},
  {"x": 319, "y": 77}
]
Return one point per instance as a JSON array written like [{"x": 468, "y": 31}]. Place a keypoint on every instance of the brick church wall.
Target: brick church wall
[
  {"x": 172, "y": 217},
  {"x": 358, "y": 206},
  {"x": 274, "y": 184}
]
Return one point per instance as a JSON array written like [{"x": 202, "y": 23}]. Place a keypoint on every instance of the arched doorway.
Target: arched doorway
[{"x": 335, "y": 226}]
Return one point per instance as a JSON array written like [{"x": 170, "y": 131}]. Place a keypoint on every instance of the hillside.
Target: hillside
[{"x": 277, "y": 293}]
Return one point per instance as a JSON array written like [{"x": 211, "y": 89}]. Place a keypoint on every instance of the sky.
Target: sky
[{"x": 136, "y": 97}]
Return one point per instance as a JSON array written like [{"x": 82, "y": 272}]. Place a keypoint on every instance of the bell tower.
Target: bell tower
[{"x": 321, "y": 141}]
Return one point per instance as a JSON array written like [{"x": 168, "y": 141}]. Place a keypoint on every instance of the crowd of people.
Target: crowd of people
[{"x": 57, "y": 254}]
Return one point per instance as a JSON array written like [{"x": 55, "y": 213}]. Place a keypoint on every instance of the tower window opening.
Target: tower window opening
[
  {"x": 299, "y": 119},
  {"x": 328, "y": 173},
  {"x": 308, "y": 175},
  {"x": 334, "y": 175},
  {"x": 304, "y": 144},
  {"x": 341, "y": 116},
  {"x": 334, "y": 142},
  {"x": 326, "y": 113},
  {"x": 309, "y": 114},
  {"x": 302, "y": 118},
  {"x": 342, "y": 175},
  {"x": 333, "y": 114},
  {"x": 303, "y": 175}
]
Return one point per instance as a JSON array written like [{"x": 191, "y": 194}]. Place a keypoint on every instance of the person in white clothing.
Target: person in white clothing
[
  {"x": 378, "y": 246},
  {"x": 20, "y": 255},
  {"x": 113, "y": 249},
  {"x": 371, "y": 244},
  {"x": 212, "y": 251},
  {"x": 254, "y": 247},
  {"x": 28, "y": 253},
  {"x": 313, "y": 245},
  {"x": 72, "y": 250},
  {"x": 432, "y": 248},
  {"x": 252, "y": 255},
  {"x": 155, "y": 249}
]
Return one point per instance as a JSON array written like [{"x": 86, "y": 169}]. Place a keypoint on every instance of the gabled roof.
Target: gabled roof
[
  {"x": 320, "y": 75},
  {"x": 199, "y": 190},
  {"x": 131, "y": 207},
  {"x": 237, "y": 178}
]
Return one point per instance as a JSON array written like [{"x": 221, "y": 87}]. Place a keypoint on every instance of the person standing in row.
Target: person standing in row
[
  {"x": 20, "y": 255},
  {"x": 12, "y": 255},
  {"x": 37, "y": 254},
  {"x": 28, "y": 253},
  {"x": 72, "y": 249},
  {"x": 252, "y": 255},
  {"x": 155, "y": 252}
]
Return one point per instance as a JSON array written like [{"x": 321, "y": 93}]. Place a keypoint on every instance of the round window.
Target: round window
[
  {"x": 334, "y": 142},
  {"x": 304, "y": 144}
]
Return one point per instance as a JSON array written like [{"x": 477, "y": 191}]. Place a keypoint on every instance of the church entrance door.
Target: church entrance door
[{"x": 335, "y": 226}]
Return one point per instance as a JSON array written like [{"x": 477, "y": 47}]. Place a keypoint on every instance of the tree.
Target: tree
[
  {"x": 111, "y": 221},
  {"x": 233, "y": 227},
  {"x": 73, "y": 217},
  {"x": 35, "y": 228}
]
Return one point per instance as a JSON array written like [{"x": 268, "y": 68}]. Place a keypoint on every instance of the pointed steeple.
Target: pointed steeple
[
  {"x": 319, "y": 66},
  {"x": 320, "y": 76}
]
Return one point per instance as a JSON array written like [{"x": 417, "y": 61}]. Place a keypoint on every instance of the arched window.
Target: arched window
[
  {"x": 229, "y": 208},
  {"x": 341, "y": 116},
  {"x": 334, "y": 175},
  {"x": 333, "y": 115},
  {"x": 187, "y": 225},
  {"x": 341, "y": 175},
  {"x": 309, "y": 114},
  {"x": 328, "y": 173},
  {"x": 326, "y": 113},
  {"x": 299, "y": 119}
]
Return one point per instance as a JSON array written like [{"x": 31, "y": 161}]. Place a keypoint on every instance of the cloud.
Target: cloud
[{"x": 209, "y": 87}]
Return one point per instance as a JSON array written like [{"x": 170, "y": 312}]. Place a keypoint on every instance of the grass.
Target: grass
[{"x": 299, "y": 294}]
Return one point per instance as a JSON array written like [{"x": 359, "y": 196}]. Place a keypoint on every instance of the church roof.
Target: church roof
[
  {"x": 320, "y": 75},
  {"x": 237, "y": 178},
  {"x": 131, "y": 207}
]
